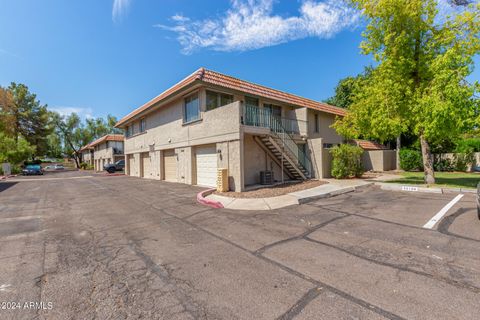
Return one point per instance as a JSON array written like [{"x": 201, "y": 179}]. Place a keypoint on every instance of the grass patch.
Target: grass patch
[{"x": 442, "y": 179}]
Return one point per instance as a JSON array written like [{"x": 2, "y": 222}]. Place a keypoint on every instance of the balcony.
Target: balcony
[{"x": 263, "y": 118}]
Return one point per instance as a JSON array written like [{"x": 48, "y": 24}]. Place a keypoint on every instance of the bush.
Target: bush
[
  {"x": 411, "y": 160},
  {"x": 84, "y": 165},
  {"x": 444, "y": 165},
  {"x": 468, "y": 145},
  {"x": 463, "y": 160},
  {"x": 347, "y": 161}
]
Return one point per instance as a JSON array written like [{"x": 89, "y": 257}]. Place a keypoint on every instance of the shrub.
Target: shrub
[
  {"x": 444, "y": 165},
  {"x": 347, "y": 161},
  {"x": 468, "y": 145},
  {"x": 411, "y": 160},
  {"x": 84, "y": 165},
  {"x": 463, "y": 160}
]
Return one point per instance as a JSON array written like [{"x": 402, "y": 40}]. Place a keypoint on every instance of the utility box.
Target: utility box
[
  {"x": 266, "y": 177},
  {"x": 7, "y": 169},
  {"x": 222, "y": 180}
]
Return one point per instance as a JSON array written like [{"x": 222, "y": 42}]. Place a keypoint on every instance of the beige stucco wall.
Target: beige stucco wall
[
  {"x": 257, "y": 159},
  {"x": 315, "y": 149},
  {"x": 326, "y": 163},
  {"x": 379, "y": 160},
  {"x": 87, "y": 157},
  {"x": 165, "y": 128},
  {"x": 230, "y": 157},
  {"x": 325, "y": 120}
]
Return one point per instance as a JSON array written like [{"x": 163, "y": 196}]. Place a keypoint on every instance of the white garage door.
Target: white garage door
[
  {"x": 207, "y": 166},
  {"x": 170, "y": 165},
  {"x": 146, "y": 165}
]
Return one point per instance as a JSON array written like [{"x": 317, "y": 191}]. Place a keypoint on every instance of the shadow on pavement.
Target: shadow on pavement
[{"x": 5, "y": 185}]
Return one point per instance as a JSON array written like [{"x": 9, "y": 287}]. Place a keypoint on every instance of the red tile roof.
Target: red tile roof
[
  {"x": 203, "y": 75},
  {"x": 108, "y": 137},
  {"x": 370, "y": 145},
  {"x": 86, "y": 147}
]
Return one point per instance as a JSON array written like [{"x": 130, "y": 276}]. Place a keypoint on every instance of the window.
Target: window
[
  {"x": 142, "y": 125},
  {"x": 216, "y": 100},
  {"x": 127, "y": 131},
  {"x": 251, "y": 101},
  {"x": 274, "y": 110},
  {"x": 328, "y": 145},
  {"x": 316, "y": 123},
  {"x": 191, "y": 110}
]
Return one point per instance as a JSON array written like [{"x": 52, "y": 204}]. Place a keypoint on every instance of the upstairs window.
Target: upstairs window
[
  {"x": 191, "y": 110},
  {"x": 216, "y": 99},
  {"x": 127, "y": 131},
  {"x": 142, "y": 125},
  {"x": 316, "y": 128}
]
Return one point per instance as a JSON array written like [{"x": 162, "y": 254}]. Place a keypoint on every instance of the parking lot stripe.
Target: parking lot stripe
[{"x": 432, "y": 222}]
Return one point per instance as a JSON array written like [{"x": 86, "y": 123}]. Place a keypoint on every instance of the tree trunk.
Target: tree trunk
[
  {"x": 427, "y": 161},
  {"x": 399, "y": 145},
  {"x": 76, "y": 157}
]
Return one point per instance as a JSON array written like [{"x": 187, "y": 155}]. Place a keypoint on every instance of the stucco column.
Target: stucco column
[
  {"x": 127, "y": 168},
  {"x": 136, "y": 163},
  {"x": 315, "y": 147}
]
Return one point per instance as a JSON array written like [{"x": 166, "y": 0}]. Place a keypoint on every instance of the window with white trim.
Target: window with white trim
[
  {"x": 191, "y": 109},
  {"x": 216, "y": 99}
]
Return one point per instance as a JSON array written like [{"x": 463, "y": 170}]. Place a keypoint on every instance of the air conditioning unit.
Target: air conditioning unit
[{"x": 266, "y": 177}]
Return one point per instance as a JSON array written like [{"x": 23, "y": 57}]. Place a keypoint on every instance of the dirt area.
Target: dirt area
[{"x": 274, "y": 191}]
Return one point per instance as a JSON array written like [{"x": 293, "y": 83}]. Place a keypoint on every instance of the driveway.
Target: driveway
[{"x": 121, "y": 247}]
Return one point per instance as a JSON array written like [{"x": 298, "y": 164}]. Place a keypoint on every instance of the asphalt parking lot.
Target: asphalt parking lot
[{"x": 125, "y": 248}]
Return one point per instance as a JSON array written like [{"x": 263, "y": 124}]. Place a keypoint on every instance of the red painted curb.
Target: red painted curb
[
  {"x": 208, "y": 202},
  {"x": 10, "y": 176}
]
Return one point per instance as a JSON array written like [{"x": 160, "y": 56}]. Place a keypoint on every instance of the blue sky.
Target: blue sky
[{"x": 110, "y": 56}]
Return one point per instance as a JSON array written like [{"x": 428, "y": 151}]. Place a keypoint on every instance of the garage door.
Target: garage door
[
  {"x": 131, "y": 165},
  {"x": 170, "y": 165},
  {"x": 207, "y": 166},
  {"x": 146, "y": 165}
]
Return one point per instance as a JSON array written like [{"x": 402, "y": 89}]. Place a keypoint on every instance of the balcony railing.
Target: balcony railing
[{"x": 261, "y": 117}]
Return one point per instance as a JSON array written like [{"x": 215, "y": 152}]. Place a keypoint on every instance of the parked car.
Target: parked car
[
  {"x": 58, "y": 167},
  {"x": 112, "y": 167},
  {"x": 478, "y": 200},
  {"x": 32, "y": 169}
]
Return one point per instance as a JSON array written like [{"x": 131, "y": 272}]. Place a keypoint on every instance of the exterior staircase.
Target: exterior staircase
[
  {"x": 285, "y": 156},
  {"x": 279, "y": 142}
]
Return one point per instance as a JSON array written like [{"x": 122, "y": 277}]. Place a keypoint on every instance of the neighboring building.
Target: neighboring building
[
  {"x": 107, "y": 149},
  {"x": 210, "y": 120},
  {"x": 87, "y": 154}
]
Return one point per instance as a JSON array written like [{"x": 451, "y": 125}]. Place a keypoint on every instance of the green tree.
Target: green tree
[
  {"x": 419, "y": 85},
  {"x": 73, "y": 134},
  {"x": 345, "y": 89},
  {"x": 29, "y": 118},
  {"x": 14, "y": 150}
]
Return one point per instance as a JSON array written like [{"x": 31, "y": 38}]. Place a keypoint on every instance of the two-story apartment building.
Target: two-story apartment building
[
  {"x": 210, "y": 120},
  {"x": 107, "y": 149}
]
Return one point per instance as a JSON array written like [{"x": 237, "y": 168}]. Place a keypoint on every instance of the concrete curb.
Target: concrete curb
[
  {"x": 10, "y": 176},
  {"x": 208, "y": 202},
  {"x": 414, "y": 188},
  {"x": 266, "y": 204}
]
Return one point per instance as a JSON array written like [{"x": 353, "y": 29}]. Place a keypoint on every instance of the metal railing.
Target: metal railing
[
  {"x": 282, "y": 129},
  {"x": 261, "y": 117}
]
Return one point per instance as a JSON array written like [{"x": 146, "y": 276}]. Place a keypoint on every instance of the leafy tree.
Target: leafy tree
[
  {"x": 29, "y": 119},
  {"x": 345, "y": 89},
  {"x": 73, "y": 133},
  {"x": 6, "y": 116},
  {"x": 14, "y": 150},
  {"x": 419, "y": 85}
]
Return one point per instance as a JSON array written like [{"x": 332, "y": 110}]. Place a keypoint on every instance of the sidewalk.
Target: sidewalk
[{"x": 333, "y": 188}]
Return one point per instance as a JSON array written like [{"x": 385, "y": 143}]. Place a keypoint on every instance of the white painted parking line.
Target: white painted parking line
[{"x": 432, "y": 222}]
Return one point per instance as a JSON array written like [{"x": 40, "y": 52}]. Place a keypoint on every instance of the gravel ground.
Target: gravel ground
[{"x": 274, "y": 191}]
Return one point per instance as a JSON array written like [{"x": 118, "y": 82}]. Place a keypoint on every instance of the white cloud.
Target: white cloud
[
  {"x": 120, "y": 8},
  {"x": 251, "y": 24},
  {"x": 84, "y": 113}
]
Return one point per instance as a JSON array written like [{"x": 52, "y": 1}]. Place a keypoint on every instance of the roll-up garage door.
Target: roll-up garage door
[
  {"x": 146, "y": 165},
  {"x": 170, "y": 165},
  {"x": 206, "y": 166}
]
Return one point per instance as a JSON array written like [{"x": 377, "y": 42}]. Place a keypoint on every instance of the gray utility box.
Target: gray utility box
[{"x": 266, "y": 177}]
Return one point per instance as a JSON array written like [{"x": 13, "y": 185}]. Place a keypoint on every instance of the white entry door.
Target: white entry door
[{"x": 206, "y": 166}]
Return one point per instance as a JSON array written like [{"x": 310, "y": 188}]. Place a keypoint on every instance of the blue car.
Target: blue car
[{"x": 32, "y": 169}]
